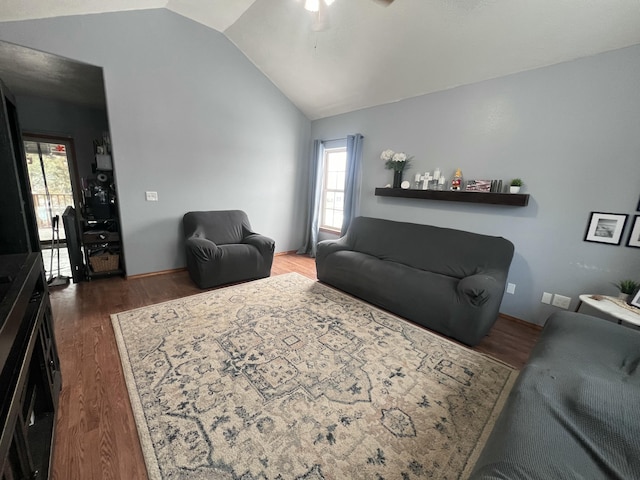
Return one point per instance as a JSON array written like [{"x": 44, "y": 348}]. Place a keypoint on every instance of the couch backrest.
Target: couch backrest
[
  {"x": 455, "y": 253},
  {"x": 220, "y": 226}
]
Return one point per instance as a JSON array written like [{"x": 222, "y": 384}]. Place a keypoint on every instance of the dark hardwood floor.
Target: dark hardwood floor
[{"x": 95, "y": 436}]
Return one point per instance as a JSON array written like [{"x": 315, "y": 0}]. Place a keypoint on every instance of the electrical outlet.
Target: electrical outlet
[
  {"x": 511, "y": 288},
  {"x": 151, "y": 196},
  {"x": 546, "y": 298},
  {"x": 561, "y": 301}
]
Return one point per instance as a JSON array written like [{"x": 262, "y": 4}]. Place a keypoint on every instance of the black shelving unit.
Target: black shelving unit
[
  {"x": 102, "y": 248},
  {"x": 509, "y": 199},
  {"x": 99, "y": 222}
]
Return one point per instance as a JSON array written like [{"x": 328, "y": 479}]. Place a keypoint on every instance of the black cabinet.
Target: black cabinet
[
  {"x": 102, "y": 249},
  {"x": 29, "y": 369}
]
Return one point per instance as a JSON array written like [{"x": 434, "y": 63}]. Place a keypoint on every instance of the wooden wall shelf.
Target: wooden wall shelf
[{"x": 511, "y": 199}]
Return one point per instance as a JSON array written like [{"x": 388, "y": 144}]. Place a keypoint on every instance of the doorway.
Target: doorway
[
  {"x": 53, "y": 178},
  {"x": 52, "y": 173}
]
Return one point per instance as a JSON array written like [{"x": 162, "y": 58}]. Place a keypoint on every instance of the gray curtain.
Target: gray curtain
[
  {"x": 316, "y": 168},
  {"x": 351, "y": 193}
]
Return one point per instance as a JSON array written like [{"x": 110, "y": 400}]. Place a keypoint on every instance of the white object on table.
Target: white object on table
[{"x": 607, "y": 306}]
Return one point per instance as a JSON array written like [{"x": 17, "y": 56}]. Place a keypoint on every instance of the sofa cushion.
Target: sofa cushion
[{"x": 446, "y": 251}]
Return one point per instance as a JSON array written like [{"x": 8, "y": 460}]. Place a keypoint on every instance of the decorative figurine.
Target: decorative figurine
[{"x": 456, "y": 183}]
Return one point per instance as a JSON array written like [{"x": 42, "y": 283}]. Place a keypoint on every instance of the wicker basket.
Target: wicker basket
[{"x": 104, "y": 262}]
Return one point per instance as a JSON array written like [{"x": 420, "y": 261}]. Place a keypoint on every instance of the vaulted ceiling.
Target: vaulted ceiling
[{"x": 367, "y": 54}]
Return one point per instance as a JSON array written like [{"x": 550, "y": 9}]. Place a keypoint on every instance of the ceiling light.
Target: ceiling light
[{"x": 314, "y": 5}]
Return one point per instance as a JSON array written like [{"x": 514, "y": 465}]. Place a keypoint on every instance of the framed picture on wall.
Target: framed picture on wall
[
  {"x": 634, "y": 236},
  {"x": 634, "y": 298},
  {"x": 605, "y": 228}
]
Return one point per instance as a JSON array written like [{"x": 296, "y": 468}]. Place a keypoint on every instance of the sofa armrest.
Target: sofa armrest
[
  {"x": 201, "y": 248},
  {"x": 265, "y": 245},
  {"x": 480, "y": 288},
  {"x": 327, "y": 247}
]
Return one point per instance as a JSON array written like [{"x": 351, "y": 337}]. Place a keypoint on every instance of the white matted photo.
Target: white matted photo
[
  {"x": 634, "y": 298},
  {"x": 605, "y": 228},
  {"x": 634, "y": 236}
]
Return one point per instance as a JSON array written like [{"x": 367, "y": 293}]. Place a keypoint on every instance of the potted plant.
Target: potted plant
[
  {"x": 398, "y": 162},
  {"x": 626, "y": 287},
  {"x": 514, "y": 186}
]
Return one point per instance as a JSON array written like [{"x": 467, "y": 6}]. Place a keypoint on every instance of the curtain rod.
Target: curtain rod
[{"x": 336, "y": 139}]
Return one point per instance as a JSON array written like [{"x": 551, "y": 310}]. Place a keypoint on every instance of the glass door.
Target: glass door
[{"x": 49, "y": 162}]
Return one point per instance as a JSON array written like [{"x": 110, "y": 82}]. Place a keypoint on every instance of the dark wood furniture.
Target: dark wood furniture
[
  {"x": 19, "y": 231},
  {"x": 29, "y": 369},
  {"x": 511, "y": 199}
]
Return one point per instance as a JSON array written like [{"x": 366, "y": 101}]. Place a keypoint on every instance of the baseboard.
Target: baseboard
[
  {"x": 153, "y": 274},
  {"x": 520, "y": 321},
  {"x": 183, "y": 269},
  {"x": 290, "y": 252}
]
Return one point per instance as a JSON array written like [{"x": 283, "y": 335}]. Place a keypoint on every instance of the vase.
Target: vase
[
  {"x": 623, "y": 296},
  {"x": 514, "y": 189},
  {"x": 397, "y": 178}
]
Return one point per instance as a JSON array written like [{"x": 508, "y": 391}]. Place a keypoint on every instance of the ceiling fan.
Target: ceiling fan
[{"x": 318, "y": 8}]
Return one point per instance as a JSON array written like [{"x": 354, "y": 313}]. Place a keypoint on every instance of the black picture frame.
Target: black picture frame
[
  {"x": 633, "y": 240},
  {"x": 634, "y": 298},
  {"x": 605, "y": 228}
]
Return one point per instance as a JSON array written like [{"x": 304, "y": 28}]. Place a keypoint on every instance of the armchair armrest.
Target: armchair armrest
[
  {"x": 201, "y": 248},
  {"x": 265, "y": 245},
  {"x": 478, "y": 289}
]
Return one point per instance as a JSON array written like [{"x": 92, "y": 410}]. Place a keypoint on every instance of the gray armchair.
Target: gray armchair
[{"x": 221, "y": 248}]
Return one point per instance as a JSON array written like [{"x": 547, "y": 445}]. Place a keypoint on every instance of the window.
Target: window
[{"x": 332, "y": 206}]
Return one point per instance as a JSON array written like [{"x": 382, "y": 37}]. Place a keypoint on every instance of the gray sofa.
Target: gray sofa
[
  {"x": 221, "y": 248},
  {"x": 450, "y": 281},
  {"x": 574, "y": 412}
]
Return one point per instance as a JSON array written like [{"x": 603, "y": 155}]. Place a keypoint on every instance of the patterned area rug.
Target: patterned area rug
[{"x": 286, "y": 378}]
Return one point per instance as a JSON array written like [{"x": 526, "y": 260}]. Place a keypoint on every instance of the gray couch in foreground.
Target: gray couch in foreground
[
  {"x": 450, "y": 281},
  {"x": 574, "y": 412}
]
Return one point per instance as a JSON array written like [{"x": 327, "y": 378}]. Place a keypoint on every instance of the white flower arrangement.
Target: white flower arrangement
[
  {"x": 387, "y": 155},
  {"x": 396, "y": 161}
]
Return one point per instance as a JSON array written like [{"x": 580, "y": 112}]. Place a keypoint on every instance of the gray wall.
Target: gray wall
[
  {"x": 52, "y": 117},
  {"x": 191, "y": 118},
  {"x": 571, "y": 131}
]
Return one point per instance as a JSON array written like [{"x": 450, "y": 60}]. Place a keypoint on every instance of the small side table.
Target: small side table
[{"x": 609, "y": 306}]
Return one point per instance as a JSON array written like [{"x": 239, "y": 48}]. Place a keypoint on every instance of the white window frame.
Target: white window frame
[{"x": 325, "y": 190}]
